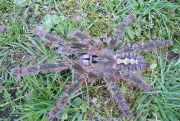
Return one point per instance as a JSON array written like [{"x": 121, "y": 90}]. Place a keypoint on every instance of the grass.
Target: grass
[{"x": 34, "y": 96}]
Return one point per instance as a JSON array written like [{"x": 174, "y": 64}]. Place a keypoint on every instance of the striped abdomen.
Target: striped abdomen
[{"x": 129, "y": 62}]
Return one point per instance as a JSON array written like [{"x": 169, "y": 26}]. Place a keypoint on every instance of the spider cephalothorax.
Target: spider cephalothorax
[{"x": 96, "y": 61}]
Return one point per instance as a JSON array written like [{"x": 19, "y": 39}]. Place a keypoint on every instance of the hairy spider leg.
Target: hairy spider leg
[
  {"x": 146, "y": 46},
  {"x": 44, "y": 68},
  {"x": 48, "y": 38},
  {"x": 62, "y": 46},
  {"x": 73, "y": 48},
  {"x": 85, "y": 39},
  {"x": 134, "y": 80},
  {"x": 69, "y": 92},
  {"x": 121, "y": 29},
  {"x": 73, "y": 88},
  {"x": 118, "y": 96},
  {"x": 92, "y": 76}
]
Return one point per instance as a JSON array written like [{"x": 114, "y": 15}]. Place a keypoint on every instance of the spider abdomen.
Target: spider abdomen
[{"x": 130, "y": 62}]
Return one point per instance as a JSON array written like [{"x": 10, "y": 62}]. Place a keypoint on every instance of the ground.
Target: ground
[{"x": 34, "y": 96}]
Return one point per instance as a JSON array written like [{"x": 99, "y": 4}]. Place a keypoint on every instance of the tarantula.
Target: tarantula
[{"x": 96, "y": 60}]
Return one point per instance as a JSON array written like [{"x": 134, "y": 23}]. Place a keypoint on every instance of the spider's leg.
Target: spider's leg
[
  {"x": 73, "y": 89},
  {"x": 48, "y": 38},
  {"x": 92, "y": 77},
  {"x": 121, "y": 29},
  {"x": 58, "y": 43},
  {"x": 85, "y": 39},
  {"x": 134, "y": 80},
  {"x": 62, "y": 102},
  {"x": 29, "y": 70},
  {"x": 85, "y": 44},
  {"x": 72, "y": 48},
  {"x": 146, "y": 46},
  {"x": 117, "y": 95}
]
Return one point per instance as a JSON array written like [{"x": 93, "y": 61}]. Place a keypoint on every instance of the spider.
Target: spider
[{"x": 96, "y": 59}]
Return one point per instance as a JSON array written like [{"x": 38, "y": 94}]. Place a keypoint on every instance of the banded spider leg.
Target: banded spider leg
[
  {"x": 85, "y": 39},
  {"x": 117, "y": 96},
  {"x": 146, "y": 46},
  {"x": 121, "y": 29},
  {"x": 131, "y": 78},
  {"x": 73, "y": 89},
  {"x": 48, "y": 38},
  {"x": 44, "y": 68},
  {"x": 69, "y": 92}
]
